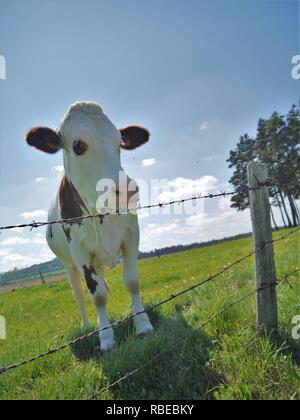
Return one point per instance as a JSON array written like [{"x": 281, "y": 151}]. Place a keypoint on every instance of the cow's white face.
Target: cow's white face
[{"x": 91, "y": 146}]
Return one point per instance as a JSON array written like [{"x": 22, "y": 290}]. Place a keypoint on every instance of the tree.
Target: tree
[
  {"x": 245, "y": 152},
  {"x": 269, "y": 146},
  {"x": 277, "y": 145},
  {"x": 290, "y": 175}
]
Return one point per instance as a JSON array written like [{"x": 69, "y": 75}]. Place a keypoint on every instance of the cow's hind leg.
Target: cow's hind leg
[
  {"x": 131, "y": 278},
  {"x": 76, "y": 282}
]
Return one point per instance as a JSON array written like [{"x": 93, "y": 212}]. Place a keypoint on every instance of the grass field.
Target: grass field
[{"x": 226, "y": 360}]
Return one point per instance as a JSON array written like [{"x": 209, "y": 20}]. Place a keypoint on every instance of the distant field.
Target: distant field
[
  {"x": 227, "y": 360},
  {"x": 20, "y": 284},
  {"x": 28, "y": 278}
]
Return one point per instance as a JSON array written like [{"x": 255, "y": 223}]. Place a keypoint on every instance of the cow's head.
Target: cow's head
[{"x": 91, "y": 145}]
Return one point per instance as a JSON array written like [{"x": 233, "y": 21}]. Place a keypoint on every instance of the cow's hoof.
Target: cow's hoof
[
  {"x": 106, "y": 345},
  {"x": 144, "y": 329}
]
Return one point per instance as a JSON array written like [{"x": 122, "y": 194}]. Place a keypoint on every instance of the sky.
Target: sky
[{"x": 197, "y": 73}]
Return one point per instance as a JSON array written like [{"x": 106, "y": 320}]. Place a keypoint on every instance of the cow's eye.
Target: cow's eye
[{"x": 79, "y": 147}]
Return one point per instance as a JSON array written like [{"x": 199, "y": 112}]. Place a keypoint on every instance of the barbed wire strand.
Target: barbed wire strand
[
  {"x": 121, "y": 212},
  {"x": 174, "y": 343},
  {"x": 151, "y": 308}
]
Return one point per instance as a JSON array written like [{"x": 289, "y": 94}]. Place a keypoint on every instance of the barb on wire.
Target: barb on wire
[
  {"x": 34, "y": 224},
  {"x": 173, "y": 344},
  {"x": 287, "y": 276},
  {"x": 151, "y": 308}
]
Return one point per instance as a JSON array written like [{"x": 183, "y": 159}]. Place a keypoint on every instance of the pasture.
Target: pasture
[{"x": 226, "y": 360}]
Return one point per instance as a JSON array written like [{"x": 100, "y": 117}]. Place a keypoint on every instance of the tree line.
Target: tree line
[{"x": 277, "y": 144}]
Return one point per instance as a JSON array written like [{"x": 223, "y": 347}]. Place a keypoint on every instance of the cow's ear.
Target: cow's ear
[
  {"x": 133, "y": 136},
  {"x": 44, "y": 138}
]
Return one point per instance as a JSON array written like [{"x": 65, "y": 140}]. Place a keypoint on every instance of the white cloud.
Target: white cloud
[
  {"x": 185, "y": 188},
  {"x": 200, "y": 220},
  {"x": 4, "y": 252},
  {"x": 15, "y": 240},
  {"x": 32, "y": 214},
  {"x": 204, "y": 126},
  {"x": 159, "y": 235},
  {"x": 221, "y": 222},
  {"x": 225, "y": 220},
  {"x": 58, "y": 169},
  {"x": 39, "y": 239},
  {"x": 39, "y": 180},
  {"x": 211, "y": 158},
  {"x": 149, "y": 162},
  {"x": 15, "y": 259},
  {"x": 143, "y": 214}
]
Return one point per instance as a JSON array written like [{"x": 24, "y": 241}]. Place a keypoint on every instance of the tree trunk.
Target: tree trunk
[
  {"x": 293, "y": 210},
  {"x": 297, "y": 209},
  {"x": 273, "y": 218},
  {"x": 284, "y": 208},
  {"x": 280, "y": 208}
]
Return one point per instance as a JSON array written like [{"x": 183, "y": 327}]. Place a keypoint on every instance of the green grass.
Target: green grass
[{"x": 226, "y": 360}]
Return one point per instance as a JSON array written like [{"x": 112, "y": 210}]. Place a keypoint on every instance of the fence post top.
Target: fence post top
[
  {"x": 257, "y": 173},
  {"x": 255, "y": 164}
]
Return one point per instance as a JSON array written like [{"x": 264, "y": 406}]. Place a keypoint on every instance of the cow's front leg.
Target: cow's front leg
[
  {"x": 94, "y": 277},
  {"x": 99, "y": 295},
  {"x": 131, "y": 277}
]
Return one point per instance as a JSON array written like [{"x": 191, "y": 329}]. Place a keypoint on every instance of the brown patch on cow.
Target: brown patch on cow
[
  {"x": 71, "y": 205},
  {"x": 44, "y": 138},
  {"x": 49, "y": 232},
  {"x": 91, "y": 283},
  {"x": 67, "y": 232},
  {"x": 134, "y": 286},
  {"x": 133, "y": 136},
  {"x": 100, "y": 300}
]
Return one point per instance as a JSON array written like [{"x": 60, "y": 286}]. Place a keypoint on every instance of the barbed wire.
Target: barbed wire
[
  {"x": 174, "y": 343},
  {"x": 151, "y": 308},
  {"x": 120, "y": 212}
]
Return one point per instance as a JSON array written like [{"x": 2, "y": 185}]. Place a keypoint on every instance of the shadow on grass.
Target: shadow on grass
[
  {"x": 180, "y": 372},
  {"x": 288, "y": 347}
]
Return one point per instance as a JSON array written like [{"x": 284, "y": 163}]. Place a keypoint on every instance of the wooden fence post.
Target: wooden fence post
[
  {"x": 41, "y": 276},
  {"x": 265, "y": 270}
]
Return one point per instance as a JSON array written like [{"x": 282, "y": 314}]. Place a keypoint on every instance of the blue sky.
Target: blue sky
[{"x": 197, "y": 73}]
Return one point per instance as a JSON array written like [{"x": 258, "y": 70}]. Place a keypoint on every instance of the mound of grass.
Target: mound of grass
[{"x": 225, "y": 360}]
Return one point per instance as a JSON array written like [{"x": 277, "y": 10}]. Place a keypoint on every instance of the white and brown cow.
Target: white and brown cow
[{"x": 91, "y": 147}]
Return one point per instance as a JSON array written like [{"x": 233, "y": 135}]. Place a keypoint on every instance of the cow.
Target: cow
[{"x": 91, "y": 146}]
